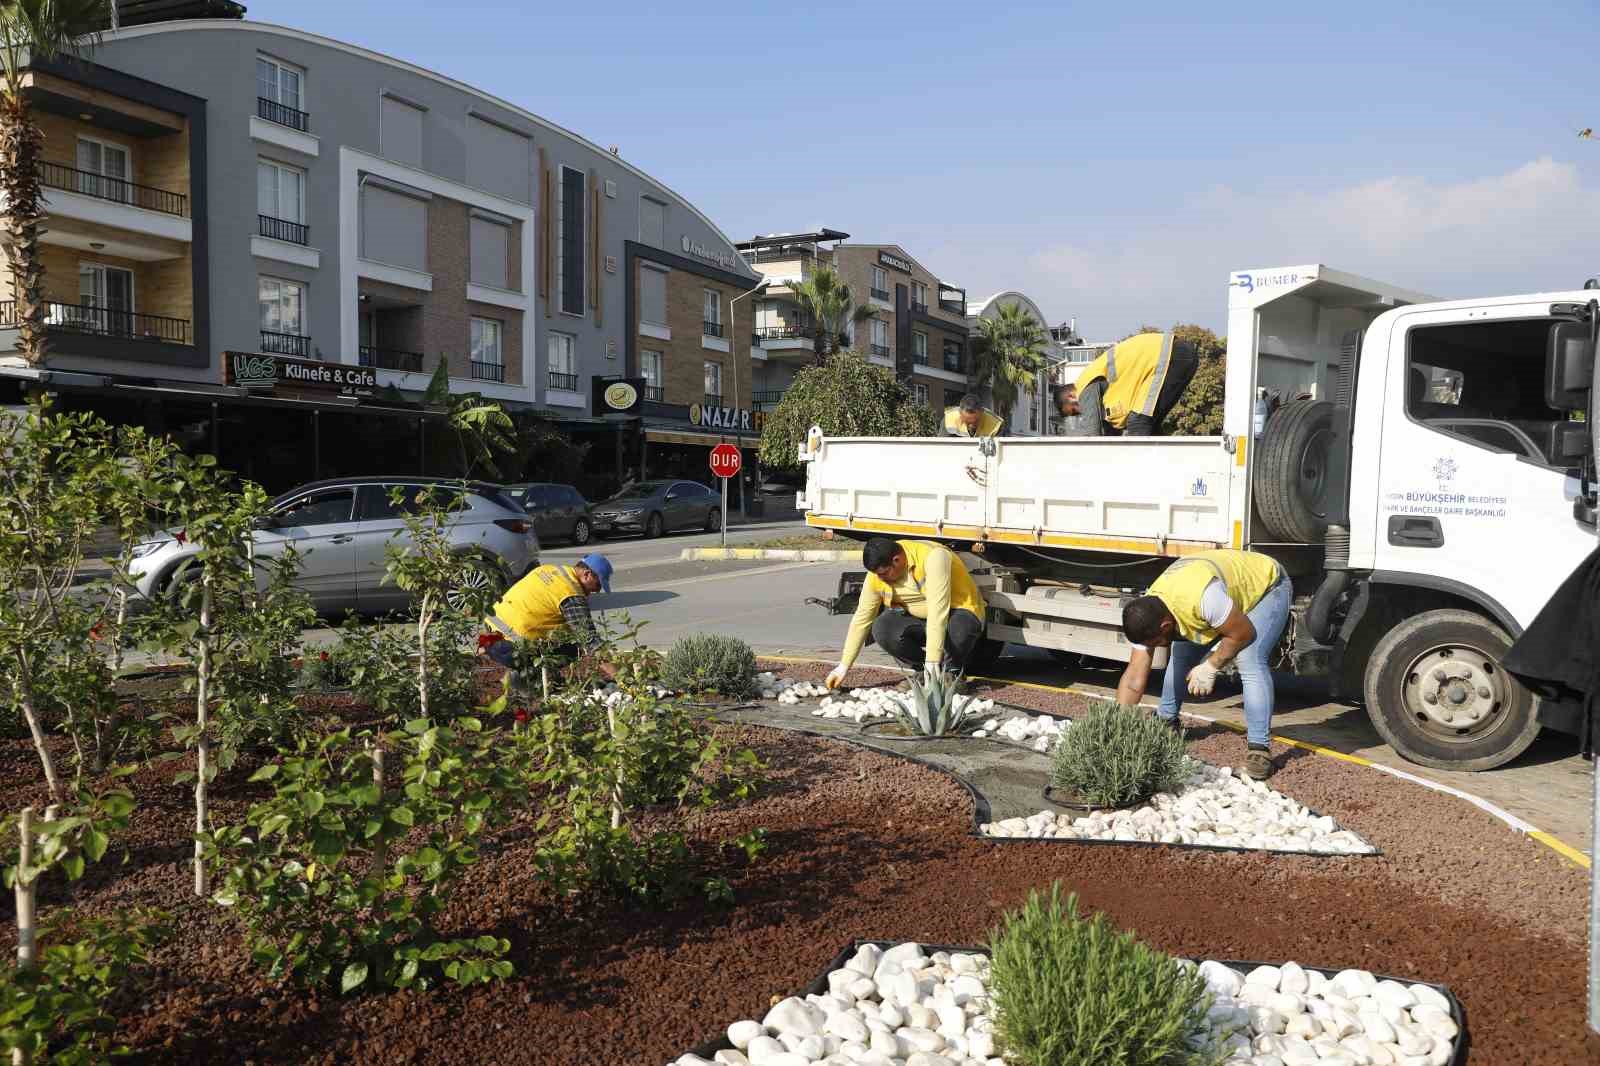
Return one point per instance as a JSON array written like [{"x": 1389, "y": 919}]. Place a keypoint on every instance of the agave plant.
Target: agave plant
[{"x": 930, "y": 708}]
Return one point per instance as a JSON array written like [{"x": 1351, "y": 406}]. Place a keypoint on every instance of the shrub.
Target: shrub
[
  {"x": 709, "y": 662},
  {"x": 374, "y": 661},
  {"x": 1074, "y": 991},
  {"x": 1113, "y": 757}
]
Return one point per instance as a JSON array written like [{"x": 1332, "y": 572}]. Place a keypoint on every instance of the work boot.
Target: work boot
[{"x": 1258, "y": 763}]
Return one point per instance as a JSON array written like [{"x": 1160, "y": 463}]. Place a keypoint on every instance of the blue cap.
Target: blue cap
[{"x": 601, "y": 567}]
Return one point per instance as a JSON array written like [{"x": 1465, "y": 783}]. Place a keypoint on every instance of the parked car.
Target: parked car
[
  {"x": 559, "y": 512},
  {"x": 657, "y": 507},
  {"x": 341, "y": 528},
  {"x": 778, "y": 490}
]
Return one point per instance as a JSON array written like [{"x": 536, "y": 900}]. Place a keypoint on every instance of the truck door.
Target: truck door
[{"x": 1468, "y": 494}]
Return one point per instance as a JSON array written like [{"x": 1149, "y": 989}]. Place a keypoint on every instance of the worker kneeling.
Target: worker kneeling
[
  {"x": 934, "y": 614},
  {"x": 1236, "y": 603},
  {"x": 546, "y": 600}
]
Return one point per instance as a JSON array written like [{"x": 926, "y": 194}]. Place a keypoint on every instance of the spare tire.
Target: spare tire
[{"x": 1293, "y": 456}]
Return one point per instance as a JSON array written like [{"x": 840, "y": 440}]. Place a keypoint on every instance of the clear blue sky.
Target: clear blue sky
[{"x": 1114, "y": 161}]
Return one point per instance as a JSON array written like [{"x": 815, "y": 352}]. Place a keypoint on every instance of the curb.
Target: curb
[
  {"x": 819, "y": 555},
  {"x": 1554, "y": 843}
]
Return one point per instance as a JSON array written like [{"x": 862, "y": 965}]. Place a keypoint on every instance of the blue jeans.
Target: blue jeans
[{"x": 1269, "y": 616}]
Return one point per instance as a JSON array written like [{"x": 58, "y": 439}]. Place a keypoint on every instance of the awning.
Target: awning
[{"x": 660, "y": 436}]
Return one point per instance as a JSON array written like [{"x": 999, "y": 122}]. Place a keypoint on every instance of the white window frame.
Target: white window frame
[
  {"x": 919, "y": 293},
  {"x": 646, "y": 364},
  {"x": 713, "y": 369},
  {"x": 567, "y": 341},
  {"x": 711, "y": 306},
  {"x": 305, "y": 304},
  {"x": 279, "y": 66},
  {"x": 877, "y": 325},
  {"x": 133, "y": 281},
  {"x": 561, "y": 246},
  {"x": 263, "y": 161},
  {"x": 919, "y": 393},
  {"x": 479, "y": 325},
  {"x": 922, "y": 350},
  {"x": 880, "y": 279},
  {"x": 125, "y": 149}
]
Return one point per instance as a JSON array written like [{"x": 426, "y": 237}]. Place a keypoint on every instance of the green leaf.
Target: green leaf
[
  {"x": 311, "y": 802},
  {"x": 94, "y": 844},
  {"x": 73, "y": 865},
  {"x": 266, "y": 773},
  {"x": 402, "y": 816},
  {"x": 354, "y": 976}
]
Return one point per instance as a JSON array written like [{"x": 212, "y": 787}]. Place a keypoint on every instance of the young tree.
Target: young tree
[
  {"x": 826, "y": 300},
  {"x": 482, "y": 427},
  {"x": 31, "y": 30},
  {"x": 846, "y": 396},
  {"x": 1009, "y": 355}
]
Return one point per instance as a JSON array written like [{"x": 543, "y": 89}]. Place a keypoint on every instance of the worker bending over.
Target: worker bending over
[
  {"x": 547, "y": 599},
  {"x": 1129, "y": 389},
  {"x": 1236, "y": 603},
  {"x": 970, "y": 418},
  {"x": 919, "y": 604}
]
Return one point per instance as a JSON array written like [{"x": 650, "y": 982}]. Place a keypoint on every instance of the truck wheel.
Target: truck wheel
[
  {"x": 985, "y": 654},
  {"x": 1437, "y": 693},
  {"x": 1291, "y": 472}
]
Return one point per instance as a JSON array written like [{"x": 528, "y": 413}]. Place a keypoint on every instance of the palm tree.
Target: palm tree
[
  {"x": 32, "y": 30},
  {"x": 1009, "y": 355},
  {"x": 827, "y": 302}
]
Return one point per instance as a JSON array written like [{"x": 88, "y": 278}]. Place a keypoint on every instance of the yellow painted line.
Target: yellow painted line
[
  {"x": 1137, "y": 546},
  {"x": 1559, "y": 846}
]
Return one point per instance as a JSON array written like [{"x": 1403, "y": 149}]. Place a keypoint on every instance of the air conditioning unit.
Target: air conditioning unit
[{"x": 611, "y": 189}]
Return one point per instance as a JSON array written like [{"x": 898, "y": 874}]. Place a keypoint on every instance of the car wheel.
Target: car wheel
[
  {"x": 713, "y": 520},
  {"x": 654, "y": 527},
  {"x": 482, "y": 583},
  {"x": 580, "y": 532},
  {"x": 176, "y": 585}
]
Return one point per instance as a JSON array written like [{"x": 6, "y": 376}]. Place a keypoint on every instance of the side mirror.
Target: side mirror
[
  {"x": 266, "y": 521},
  {"x": 1569, "y": 366},
  {"x": 673, "y": 495}
]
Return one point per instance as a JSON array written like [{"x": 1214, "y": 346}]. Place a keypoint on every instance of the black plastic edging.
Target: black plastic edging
[
  {"x": 981, "y": 811},
  {"x": 819, "y": 984}
]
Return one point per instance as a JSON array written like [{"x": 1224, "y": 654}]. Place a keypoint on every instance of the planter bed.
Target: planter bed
[{"x": 874, "y": 996}]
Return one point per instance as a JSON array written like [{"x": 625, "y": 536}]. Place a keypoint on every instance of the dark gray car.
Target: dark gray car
[
  {"x": 559, "y": 512},
  {"x": 657, "y": 507}
]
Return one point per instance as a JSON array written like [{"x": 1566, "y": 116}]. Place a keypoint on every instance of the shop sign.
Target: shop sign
[
  {"x": 724, "y": 418},
  {"x": 889, "y": 259},
  {"x": 251, "y": 370},
  {"x": 711, "y": 255},
  {"x": 617, "y": 396}
]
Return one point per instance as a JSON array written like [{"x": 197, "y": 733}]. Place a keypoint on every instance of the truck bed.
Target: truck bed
[{"x": 1164, "y": 496}]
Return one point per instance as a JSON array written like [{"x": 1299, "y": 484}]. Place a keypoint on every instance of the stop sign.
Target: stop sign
[{"x": 725, "y": 460}]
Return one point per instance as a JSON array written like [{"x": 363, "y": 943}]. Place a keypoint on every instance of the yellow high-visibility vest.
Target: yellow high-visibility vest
[
  {"x": 1246, "y": 575},
  {"x": 963, "y": 592},
  {"x": 1134, "y": 372},
  {"x": 532, "y": 607},
  {"x": 989, "y": 423}
]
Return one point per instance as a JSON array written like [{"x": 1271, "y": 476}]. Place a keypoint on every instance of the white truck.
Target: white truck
[{"x": 1424, "y": 482}]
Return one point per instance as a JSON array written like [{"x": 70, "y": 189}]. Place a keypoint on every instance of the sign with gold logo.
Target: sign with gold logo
[
  {"x": 621, "y": 396},
  {"x": 617, "y": 396}
]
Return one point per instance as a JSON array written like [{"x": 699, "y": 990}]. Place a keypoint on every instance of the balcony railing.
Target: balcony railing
[
  {"x": 880, "y": 294},
  {"x": 955, "y": 307},
  {"x": 920, "y": 308},
  {"x": 954, "y": 364},
  {"x": 780, "y": 333},
  {"x": 281, "y": 229},
  {"x": 655, "y": 394},
  {"x": 711, "y": 329},
  {"x": 779, "y": 255},
  {"x": 285, "y": 343},
  {"x": 486, "y": 371},
  {"x": 880, "y": 350},
  {"x": 558, "y": 380},
  {"x": 103, "y": 322},
  {"x": 713, "y": 399},
  {"x": 391, "y": 359},
  {"x": 766, "y": 397},
  {"x": 68, "y": 179},
  {"x": 919, "y": 358},
  {"x": 282, "y": 114}
]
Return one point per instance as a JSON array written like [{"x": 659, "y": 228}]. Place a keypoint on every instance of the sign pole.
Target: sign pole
[
  {"x": 725, "y": 463},
  {"x": 724, "y": 523}
]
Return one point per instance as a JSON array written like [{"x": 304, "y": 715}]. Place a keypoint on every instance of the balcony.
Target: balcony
[
  {"x": 113, "y": 190},
  {"x": 711, "y": 329},
  {"x": 879, "y": 294},
  {"x": 103, "y": 322},
  {"x": 486, "y": 371},
  {"x": 655, "y": 394},
  {"x": 780, "y": 255},
  {"x": 952, "y": 299},
  {"x": 391, "y": 359},
  {"x": 919, "y": 308},
  {"x": 282, "y": 114},
  {"x": 558, "y": 380},
  {"x": 954, "y": 363},
  {"x": 274, "y": 343},
  {"x": 882, "y": 351},
  {"x": 281, "y": 229},
  {"x": 919, "y": 358},
  {"x": 766, "y": 398}
]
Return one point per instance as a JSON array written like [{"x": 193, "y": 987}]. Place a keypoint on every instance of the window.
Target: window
[
  {"x": 105, "y": 170},
  {"x": 713, "y": 313},
  {"x": 714, "y": 383},
  {"x": 919, "y": 347},
  {"x": 1483, "y": 382},
  {"x": 570, "y": 225},
  {"x": 919, "y": 296},
  {"x": 499, "y": 159},
  {"x": 283, "y": 311},
  {"x": 280, "y": 192},
  {"x": 320, "y": 509},
  {"x": 652, "y": 222},
  {"x": 279, "y": 83},
  {"x": 400, "y": 131},
  {"x": 880, "y": 283},
  {"x": 491, "y": 251},
  {"x": 880, "y": 337},
  {"x": 650, "y": 370},
  {"x": 919, "y": 393},
  {"x": 105, "y": 301},
  {"x": 562, "y": 355},
  {"x": 952, "y": 357},
  {"x": 394, "y": 225},
  {"x": 485, "y": 358},
  {"x": 952, "y": 397},
  {"x": 652, "y": 296}
]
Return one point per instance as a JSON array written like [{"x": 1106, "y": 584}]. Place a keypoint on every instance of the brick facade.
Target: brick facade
[
  {"x": 162, "y": 288},
  {"x": 683, "y": 358}
]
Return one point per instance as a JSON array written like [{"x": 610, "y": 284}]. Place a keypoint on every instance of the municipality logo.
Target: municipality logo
[{"x": 1444, "y": 471}]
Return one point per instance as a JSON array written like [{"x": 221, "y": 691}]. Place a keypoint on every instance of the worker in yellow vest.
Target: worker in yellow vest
[
  {"x": 919, "y": 604},
  {"x": 547, "y": 599},
  {"x": 1234, "y": 604},
  {"x": 970, "y": 418},
  {"x": 1129, "y": 389}
]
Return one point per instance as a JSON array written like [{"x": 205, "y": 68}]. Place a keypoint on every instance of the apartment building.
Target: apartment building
[
  {"x": 918, "y": 328},
  {"x": 284, "y": 228}
]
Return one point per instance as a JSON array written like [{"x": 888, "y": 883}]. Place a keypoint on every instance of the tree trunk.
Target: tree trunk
[
  {"x": 27, "y": 948},
  {"x": 616, "y": 787},
  {"x": 24, "y": 683},
  {"x": 380, "y": 850},
  {"x": 21, "y": 143},
  {"x": 203, "y": 719},
  {"x": 424, "y": 620}
]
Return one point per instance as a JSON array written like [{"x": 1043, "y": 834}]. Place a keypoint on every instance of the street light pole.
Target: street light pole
[{"x": 733, "y": 348}]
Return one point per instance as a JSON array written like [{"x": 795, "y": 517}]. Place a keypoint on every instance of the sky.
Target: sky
[{"x": 1113, "y": 161}]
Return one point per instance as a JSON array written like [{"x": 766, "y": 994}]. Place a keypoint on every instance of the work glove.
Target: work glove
[
  {"x": 835, "y": 677},
  {"x": 1202, "y": 679}
]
